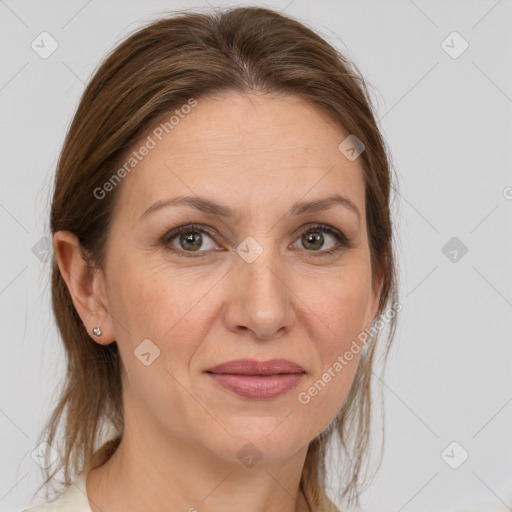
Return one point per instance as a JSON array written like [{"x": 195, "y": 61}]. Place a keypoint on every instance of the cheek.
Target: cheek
[
  {"x": 167, "y": 307},
  {"x": 157, "y": 305},
  {"x": 341, "y": 305},
  {"x": 341, "y": 301}
]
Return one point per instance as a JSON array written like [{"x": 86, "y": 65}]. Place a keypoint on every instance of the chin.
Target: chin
[{"x": 258, "y": 439}]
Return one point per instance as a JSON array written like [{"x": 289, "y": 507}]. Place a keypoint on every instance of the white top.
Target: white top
[{"x": 73, "y": 500}]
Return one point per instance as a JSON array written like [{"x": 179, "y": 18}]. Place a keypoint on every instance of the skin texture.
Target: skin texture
[{"x": 257, "y": 154}]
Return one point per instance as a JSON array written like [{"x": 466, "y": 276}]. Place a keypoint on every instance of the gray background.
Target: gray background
[{"x": 448, "y": 124}]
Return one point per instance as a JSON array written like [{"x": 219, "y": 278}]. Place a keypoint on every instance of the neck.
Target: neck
[{"x": 172, "y": 475}]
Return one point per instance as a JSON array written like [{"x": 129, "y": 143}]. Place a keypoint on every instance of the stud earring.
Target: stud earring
[{"x": 96, "y": 331}]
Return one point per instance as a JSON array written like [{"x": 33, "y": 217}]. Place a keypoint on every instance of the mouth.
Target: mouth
[{"x": 257, "y": 379}]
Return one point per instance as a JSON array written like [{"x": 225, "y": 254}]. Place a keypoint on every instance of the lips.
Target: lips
[
  {"x": 253, "y": 367},
  {"x": 257, "y": 379}
]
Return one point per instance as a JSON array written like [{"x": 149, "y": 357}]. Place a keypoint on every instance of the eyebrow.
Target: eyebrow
[{"x": 208, "y": 206}]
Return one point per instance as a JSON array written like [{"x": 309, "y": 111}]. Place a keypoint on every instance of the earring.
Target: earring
[{"x": 96, "y": 331}]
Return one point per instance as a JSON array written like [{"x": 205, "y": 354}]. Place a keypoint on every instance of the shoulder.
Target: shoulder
[
  {"x": 73, "y": 500},
  {"x": 60, "y": 505},
  {"x": 54, "y": 506}
]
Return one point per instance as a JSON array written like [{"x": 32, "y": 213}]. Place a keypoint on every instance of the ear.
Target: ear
[{"x": 86, "y": 286}]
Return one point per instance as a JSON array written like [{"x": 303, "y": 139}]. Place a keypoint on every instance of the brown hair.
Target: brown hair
[{"x": 153, "y": 71}]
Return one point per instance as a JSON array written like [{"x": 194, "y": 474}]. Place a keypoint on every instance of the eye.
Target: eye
[
  {"x": 313, "y": 239},
  {"x": 187, "y": 239}
]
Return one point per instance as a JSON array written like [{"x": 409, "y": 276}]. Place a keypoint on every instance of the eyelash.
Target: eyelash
[{"x": 343, "y": 241}]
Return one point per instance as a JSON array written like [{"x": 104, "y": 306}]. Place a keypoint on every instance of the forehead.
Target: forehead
[{"x": 248, "y": 151}]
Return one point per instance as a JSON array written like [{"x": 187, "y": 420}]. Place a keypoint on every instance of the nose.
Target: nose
[{"x": 259, "y": 301}]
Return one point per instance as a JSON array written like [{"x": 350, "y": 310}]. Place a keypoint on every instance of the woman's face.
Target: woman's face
[{"x": 247, "y": 287}]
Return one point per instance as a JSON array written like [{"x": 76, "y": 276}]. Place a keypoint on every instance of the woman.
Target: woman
[{"x": 223, "y": 264}]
